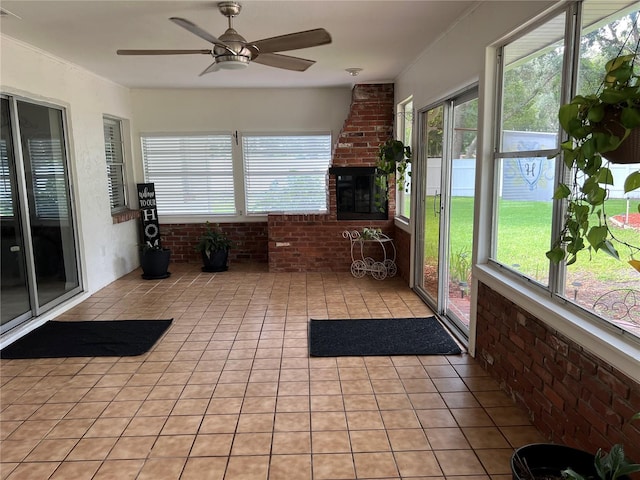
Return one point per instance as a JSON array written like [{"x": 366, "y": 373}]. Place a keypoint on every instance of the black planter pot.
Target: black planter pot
[
  {"x": 216, "y": 262},
  {"x": 155, "y": 264},
  {"x": 548, "y": 460}
]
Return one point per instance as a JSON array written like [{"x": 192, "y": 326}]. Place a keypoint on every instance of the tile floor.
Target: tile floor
[{"x": 230, "y": 393}]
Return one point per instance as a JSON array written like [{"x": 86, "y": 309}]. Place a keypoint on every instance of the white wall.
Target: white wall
[
  {"x": 457, "y": 59},
  {"x": 107, "y": 251},
  {"x": 245, "y": 110}
]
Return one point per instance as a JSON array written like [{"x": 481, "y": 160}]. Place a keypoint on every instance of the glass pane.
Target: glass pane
[
  {"x": 531, "y": 88},
  {"x": 404, "y": 196},
  {"x": 433, "y": 138},
  {"x": 523, "y": 215},
  {"x": 15, "y": 294},
  {"x": 463, "y": 173},
  {"x": 598, "y": 282},
  {"x": 52, "y": 232}
]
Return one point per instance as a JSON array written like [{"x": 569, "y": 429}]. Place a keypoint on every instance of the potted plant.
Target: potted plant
[
  {"x": 214, "y": 246},
  {"x": 394, "y": 157},
  {"x": 154, "y": 261},
  {"x": 547, "y": 461},
  {"x": 604, "y": 124}
]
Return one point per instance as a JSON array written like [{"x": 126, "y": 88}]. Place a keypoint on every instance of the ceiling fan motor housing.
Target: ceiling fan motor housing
[{"x": 236, "y": 42}]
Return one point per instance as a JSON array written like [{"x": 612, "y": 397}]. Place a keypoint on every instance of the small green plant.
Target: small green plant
[
  {"x": 213, "y": 240},
  {"x": 394, "y": 158},
  {"x": 609, "y": 466},
  {"x": 460, "y": 264},
  {"x": 370, "y": 233}
]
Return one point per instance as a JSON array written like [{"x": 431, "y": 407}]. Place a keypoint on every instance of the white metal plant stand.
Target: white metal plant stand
[{"x": 362, "y": 265}]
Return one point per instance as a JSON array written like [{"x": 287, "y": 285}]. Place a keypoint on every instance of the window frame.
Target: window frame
[
  {"x": 117, "y": 147},
  {"x": 401, "y": 134},
  {"x": 595, "y": 334}
]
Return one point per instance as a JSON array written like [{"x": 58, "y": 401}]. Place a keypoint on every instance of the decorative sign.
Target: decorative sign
[{"x": 149, "y": 215}]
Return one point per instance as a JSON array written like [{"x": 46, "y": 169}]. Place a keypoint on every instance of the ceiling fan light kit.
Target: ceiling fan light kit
[{"x": 232, "y": 52}]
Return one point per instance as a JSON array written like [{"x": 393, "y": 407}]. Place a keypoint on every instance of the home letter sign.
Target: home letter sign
[{"x": 149, "y": 215}]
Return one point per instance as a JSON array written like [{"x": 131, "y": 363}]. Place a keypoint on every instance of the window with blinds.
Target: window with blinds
[
  {"x": 115, "y": 163},
  {"x": 49, "y": 178},
  {"x": 193, "y": 174},
  {"x": 286, "y": 172}
]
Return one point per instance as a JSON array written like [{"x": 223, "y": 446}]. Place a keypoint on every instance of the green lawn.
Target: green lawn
[{"x": 523, "y": 233}]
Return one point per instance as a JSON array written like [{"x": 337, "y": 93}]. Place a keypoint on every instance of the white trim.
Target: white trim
[{"x": 612, "y": 346}]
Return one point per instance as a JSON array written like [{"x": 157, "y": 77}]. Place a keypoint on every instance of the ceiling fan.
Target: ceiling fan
[{"x": 232, "y": 52}]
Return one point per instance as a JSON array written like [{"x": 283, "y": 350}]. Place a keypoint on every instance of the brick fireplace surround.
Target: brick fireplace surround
[{"x": 571, "y": 395}]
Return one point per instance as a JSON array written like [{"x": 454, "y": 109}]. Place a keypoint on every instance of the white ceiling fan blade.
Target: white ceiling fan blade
[
  {"x": 284, "y": 61},
  {"x": 162, "y": 52},
  {"x": 196, "y": 30},
  {"x": 293, "y": 41}
]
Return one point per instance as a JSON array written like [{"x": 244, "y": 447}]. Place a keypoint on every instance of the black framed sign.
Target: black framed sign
[{"x": 149, "y": 215}]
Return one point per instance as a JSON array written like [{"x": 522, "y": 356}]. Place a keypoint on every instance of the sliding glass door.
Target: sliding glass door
[
  {"x": 444, "y": 220},
  {"x": 39, "y": 260}
]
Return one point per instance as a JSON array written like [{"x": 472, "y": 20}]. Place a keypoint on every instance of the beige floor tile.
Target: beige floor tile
[
  {"x": 369, "y": 441},
  {"x": 51, "y": 450},
  {"x": 31, "y": 471},
  {"x": 120, "y": 469},
  {"x": 247, "y": 468},
  {"x": 251, "y": 444},
  {"x": 172, "y": 446},
  {"x": 83, "y": 470},
  {"x": 334, "y": 467},
  {"x": 459, "y": 462},
  {"x": 131, "y": 448},
  {"x": 416, "y": 464},
  {"x": 375, "y": 465},
  {"x": 447, "y": 438},
  {"x": 330, "y": 442},
  {"x": 485, "y": 437},
  {"x": 212, "y": 445},
  {"x": 496, "y": 461},
  {"x": 16, "y": 450},
  {"x": 162, "y": 468},
  {"x": 287, "y": 467},
  {"x": 408, "y": 439},
  {"x": 291, "y": 442}
]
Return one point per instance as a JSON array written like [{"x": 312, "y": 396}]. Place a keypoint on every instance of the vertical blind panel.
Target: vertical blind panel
[
  {"x": 286, "y": 173},
  {"x": 48, "y": 176},
  {"x": 192, "y": 174}
]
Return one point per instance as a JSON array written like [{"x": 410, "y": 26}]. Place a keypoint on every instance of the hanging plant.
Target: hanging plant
[
  {"x": 394, "y": 157},
  {"x": 604, "y": 124}
]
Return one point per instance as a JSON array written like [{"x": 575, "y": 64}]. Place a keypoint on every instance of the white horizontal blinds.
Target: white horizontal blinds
[
  {"x": 6, "y": 200},
  {"x": 192, "y": 174},
  {"x": 286, "y": 173},
  {"x": 48, "y": 175},
  {"x": 115, "y": 163}
]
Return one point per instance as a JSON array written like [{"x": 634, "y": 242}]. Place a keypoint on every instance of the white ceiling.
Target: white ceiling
[{"x": 381, "y": 37}]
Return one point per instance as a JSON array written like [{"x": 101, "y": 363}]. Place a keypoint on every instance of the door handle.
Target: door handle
[{"x": 436, "y": 210}]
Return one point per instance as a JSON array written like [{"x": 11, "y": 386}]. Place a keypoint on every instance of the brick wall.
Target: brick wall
[
  {"x": 572, "y": 396},
  {"x": 250, "y": 241},
  {"x": 314, "y": 243}
]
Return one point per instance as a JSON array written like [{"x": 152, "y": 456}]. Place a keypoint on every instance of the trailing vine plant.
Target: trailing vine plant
[{"x": 394, "y": 157}]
